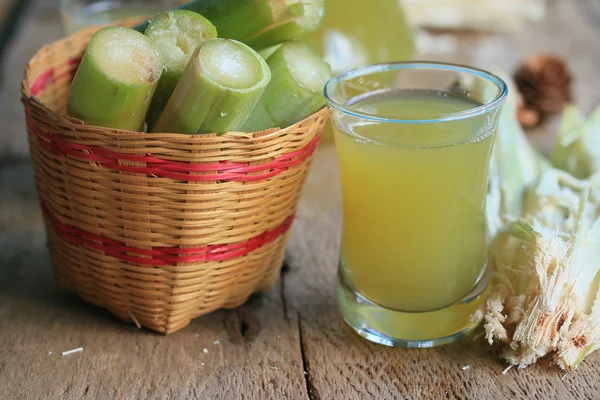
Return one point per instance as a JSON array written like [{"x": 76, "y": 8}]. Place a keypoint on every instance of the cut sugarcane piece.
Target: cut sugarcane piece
[
  {"x": 266, "y": 53},
  {"x": 291, "y": 25},
  {"x": 234, "y": 19},
  {"x": 177, "y": 34},
  {"x": 219, "y": 88},
  {"x": 298, "y": 75},
  {"x": 263, "y": 23},
  {"x": 116, "y": 80}
]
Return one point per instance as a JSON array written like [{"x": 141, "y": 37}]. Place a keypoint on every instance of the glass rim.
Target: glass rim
[{"x": 423, "y": 65}]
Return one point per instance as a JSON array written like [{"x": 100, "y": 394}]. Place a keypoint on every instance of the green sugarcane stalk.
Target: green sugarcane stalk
[
  {"x": 290, "y": 26},
  {"x": 219, "y": 88},
  {"x": 259, "y": 23},
  {"x": 235, "y": 19},
  {"x": 177, "y": 34},
  {"x": 298, "y": 75},
  {"x": 266, "y": 53},
  {"x": 116, "y": 80}
]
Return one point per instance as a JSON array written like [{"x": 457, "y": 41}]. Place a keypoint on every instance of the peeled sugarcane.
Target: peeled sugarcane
[
  {"x": 219, "y": 88},
  {"x": 298, "y": 75},
  {"x": 177, "y": 34},
  {"x": 545, "y": 249},
  {"x": 116, "y": 80},
  {"x": 259, "y": 23},
  {"x": 577, "y": 148}
]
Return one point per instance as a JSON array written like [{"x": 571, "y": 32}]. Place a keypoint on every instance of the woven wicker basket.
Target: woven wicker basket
[{"x": 159, "y": 228}]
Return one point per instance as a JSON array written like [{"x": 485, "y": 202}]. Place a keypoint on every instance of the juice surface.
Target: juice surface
[{"x": 414, "y": 235}]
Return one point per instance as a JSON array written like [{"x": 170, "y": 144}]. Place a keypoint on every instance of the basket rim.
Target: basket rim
[{"x": 75, "y": 124}]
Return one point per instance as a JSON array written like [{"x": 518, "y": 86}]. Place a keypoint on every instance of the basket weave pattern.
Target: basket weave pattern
[{"x": 159, "y": 228}]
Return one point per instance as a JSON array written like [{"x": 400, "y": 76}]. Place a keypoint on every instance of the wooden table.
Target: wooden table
[{"x": 286, "y": 344}]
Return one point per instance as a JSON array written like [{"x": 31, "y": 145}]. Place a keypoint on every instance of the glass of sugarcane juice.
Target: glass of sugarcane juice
[{"x": 414, "y": 142}]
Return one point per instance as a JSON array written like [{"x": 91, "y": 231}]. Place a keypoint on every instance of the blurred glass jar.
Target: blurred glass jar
[
  {"x": 78, "y": 14},
  {"x": 358, "y": 32}
]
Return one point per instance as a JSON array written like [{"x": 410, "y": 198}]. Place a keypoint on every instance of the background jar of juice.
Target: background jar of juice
[{"x": 359, "y": 32}]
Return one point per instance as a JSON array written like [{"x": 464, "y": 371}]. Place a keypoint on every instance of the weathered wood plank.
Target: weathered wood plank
[
  {"x": 253, "y": 352},
  {"x": 40, "y": 26},
  {"x": 257, "y": 354},
  {"x": 5, "y": 10},
  {"x": 264, "y": 346},
  {"x": 341, "y": 365}
]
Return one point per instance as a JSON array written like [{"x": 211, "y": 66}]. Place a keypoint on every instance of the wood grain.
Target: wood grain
[
  {"x": 342, "y": 365},
  {"x": 39, "y": 26},
  {"x": 252, "y": 352},
  {"x": 286, "y": 344},
  {"x": 6, "y": 9}
]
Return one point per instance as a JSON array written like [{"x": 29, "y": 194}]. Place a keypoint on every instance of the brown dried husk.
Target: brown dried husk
[{"x": 544, "y": 81}]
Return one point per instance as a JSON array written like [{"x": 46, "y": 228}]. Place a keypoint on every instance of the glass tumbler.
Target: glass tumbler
[
  {"x": 414, "y": 141},
  {"x": 78, "y": 14}
]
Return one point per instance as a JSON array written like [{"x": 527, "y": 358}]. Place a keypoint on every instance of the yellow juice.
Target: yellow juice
[{"x": 414, "y": 234}]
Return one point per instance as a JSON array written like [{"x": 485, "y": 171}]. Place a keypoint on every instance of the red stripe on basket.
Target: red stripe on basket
[
  {"x": 48, "y": 76},
  {"x": 164, "y": 256},
  {"x": 177, "y": 170}
]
